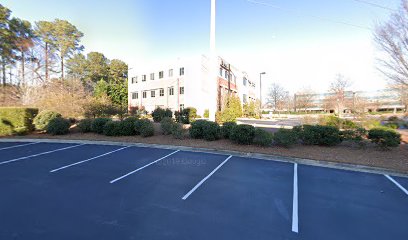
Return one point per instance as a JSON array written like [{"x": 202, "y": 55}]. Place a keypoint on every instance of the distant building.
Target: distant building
[{"x": 184, "y": 83}]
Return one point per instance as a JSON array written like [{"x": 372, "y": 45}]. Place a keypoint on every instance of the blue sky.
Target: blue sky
[{"x": 291, "y": 42}]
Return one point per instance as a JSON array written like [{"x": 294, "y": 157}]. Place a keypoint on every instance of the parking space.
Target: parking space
[
  {"x": 9, "y": 145},
  {"x": 72, "y": 191}
]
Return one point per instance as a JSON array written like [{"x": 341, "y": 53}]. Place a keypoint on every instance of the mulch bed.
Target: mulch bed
[{"x": 395, "y": 159}]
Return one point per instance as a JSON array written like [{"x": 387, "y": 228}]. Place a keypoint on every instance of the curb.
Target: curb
[{"x": 277, "y": 158}]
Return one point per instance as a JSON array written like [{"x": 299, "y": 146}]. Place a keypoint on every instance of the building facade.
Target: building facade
[{"x": 185, "y": 83}]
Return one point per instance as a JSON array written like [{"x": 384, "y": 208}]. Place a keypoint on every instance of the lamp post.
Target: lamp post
[
  {"x": 213, "y": 77},
  {"x": 260, "y": 87}
]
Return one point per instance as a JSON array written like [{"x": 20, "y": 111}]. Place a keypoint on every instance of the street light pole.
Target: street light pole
[
  {"x": 260, "y": 87},
  {"x": 213, "y": 77}
]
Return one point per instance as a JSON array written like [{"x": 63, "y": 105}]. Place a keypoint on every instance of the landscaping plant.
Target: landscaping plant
[
  {"x": 85, "y": 125},
  {"x": 263, "y": 138},
  {"x": 243, "y": 134},
  {"x": 159, "y": 113},
  {"x": 166, "y": 125},
  {"x": 58, "y": 126},
  {"x": 98, "y": 124},
  {"x": 226, "y": 129},
  {"x": 384, "y": 137},
  {"x": 286, "y": 137},
  {"x": 42, "y": 120}
]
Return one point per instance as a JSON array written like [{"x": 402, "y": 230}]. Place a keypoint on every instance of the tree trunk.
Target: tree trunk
[
  {"x": 23, "y": 66},
  {"x": 46, "y": 61},
  {"x": 3, "y": 64},
  {"x": 62, "y": 67}
]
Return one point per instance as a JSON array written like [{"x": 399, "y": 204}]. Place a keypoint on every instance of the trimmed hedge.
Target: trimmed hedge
[
  {"x": 98, "y": 125},
  {"x": 43, "y": 118},
  {"x": 85, "y": 125},
  {"x": 263, "y": 138},
  {"x": 112, "y": 128},
  {"x": 127, "y": 126},
  {"x": 159, "y": 113},
  {"x": 197, "y": 129},
  {"x": 243, "y": 134},
  {"x": 384, "y": 137},
  {"x": 320, "y": 135},
  {"x": 226, "y": 129},
  {"x": 285, "y": 137},
  {"x": 166, "y": 125},
  {"x": 16, "y": 120},
  {"x": 177, "y": 131},
  {"x": 211, "y": 131},
  {"x": 58, "y": 126}
]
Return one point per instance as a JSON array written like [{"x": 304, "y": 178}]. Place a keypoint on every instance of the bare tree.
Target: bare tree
[
  {"x": 305, "y": 99},
  {"x": 338, "y": 89},
  {"x": 392, "y": 40},
  {"x": 276, "y": 96}
]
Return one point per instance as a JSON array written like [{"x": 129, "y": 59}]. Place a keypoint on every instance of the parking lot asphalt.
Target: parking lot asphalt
[{"x": 86, "y": 191}]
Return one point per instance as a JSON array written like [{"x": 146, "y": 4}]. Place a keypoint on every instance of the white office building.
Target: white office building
[{"x": 185, "y": 83}]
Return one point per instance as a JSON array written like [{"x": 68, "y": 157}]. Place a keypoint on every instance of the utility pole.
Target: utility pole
[
  {"x": 213, "y": 76},
  {"x": 260, "y": 87}
]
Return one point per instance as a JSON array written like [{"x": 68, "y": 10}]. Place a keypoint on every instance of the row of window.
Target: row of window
[
  {"x": 135, "y": 95},
  {"x": 161, "y": 75}
]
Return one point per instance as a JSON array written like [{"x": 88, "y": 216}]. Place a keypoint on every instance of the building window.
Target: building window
[
  {"x": 171, "y": 91},
  {"x": 161, "y": 74},
  {"x": 181, "y": 106},
  {"x": 170, "y": 72},
  {"x": 144, "y": 94},
  {"x": 226, "y": 74},
  {"x": 221, "y": 72},
  {"x": 181, "y": 71},
  {"x": 245, "y": 82},
  {"x": 161, "y": 92},
  {"x": 244, "y": 98},
  {"x": 152, "y": 93},
  {"x": 134, "y": 79},
  {"x": 181, "y": 90},
  {"x": 135, "y": 95},
  {"x": 151, "y": 76},
  {"x": 143, "y": 78}
]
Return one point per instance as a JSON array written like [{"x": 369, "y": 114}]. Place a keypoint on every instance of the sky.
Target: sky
[{"x": 299, "y": 44}]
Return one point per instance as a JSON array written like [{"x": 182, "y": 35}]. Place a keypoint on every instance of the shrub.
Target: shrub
[
  {"x": 232, "y": 109},
  {"x": 158, "y": 114},
  {"x": 139, "y": 123},
  {"x": 98, "y": 124},
  {"x": 339, "y": 123},
  {"x": 197, "y": 128},
  {"x": 112, "y": 128},
  {"x": 146, "y": 128},
  {"x": 186, "y": 115},
  {"x": 384, "y": 137},
  {"x": 177, "y": 131},
  {"x": 58, "y": 126},
  {"x": 226, "y": 129},
  {"x": 218, "y": 117},
  {"x": 127, "y": 126},
  {"x": 320, "y": 135},
  {"x": 262, "y": 137},
  {"x": 211, "y": 131},
  {"x": 356, "y": 135},
  {"x": 43, "y": 118},
  {"x": 243, "y": 134},
  {"x": 286, "y": 137},
  {"x": 16, "y": 120},
  {"x": 85, "y": 125},
  {"x": 166, "y": 125},
  {"x": 206, "y": 113}
]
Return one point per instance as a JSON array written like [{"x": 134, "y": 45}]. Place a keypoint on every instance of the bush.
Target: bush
[
  {"x": 186, "y": 116},
  {"x": 320, "y": 135},
  {"x": 262, "y": 137},
  {"x": 356, "y": 135},
  {"x": 139, "y": 123},
  {"x": 286, "y": 137},
  {"x": 226, "y": 129},
  {"x": 98, "y": 124},
  {"x": 17, "y": 120},
  {"x": 127, "y": 126},
  {"x": 384, "y": 137},
  {"x": 232, "y": 109},
  {"x": 146, "y": 128},
  {"x": 197, "y": 128},
  {"x": 206, "y": 113},
  {"x": 158, "y": 114},
  {"x": 166, "y": 125},
  {"x": 58, "y": 126},
  {"x": 43, "y": 118},
  {"x": 243, "y": 134},
  {"x": 211, "y": 131},
  {"x": 177, "y": 130},
  {"x": 339, "y": 123},
  {"x": 112, "y": 128},
  {"x": 85, "y": 125}
]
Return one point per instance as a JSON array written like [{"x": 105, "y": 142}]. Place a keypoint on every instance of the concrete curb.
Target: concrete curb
[{"x": 277, "y": 158}]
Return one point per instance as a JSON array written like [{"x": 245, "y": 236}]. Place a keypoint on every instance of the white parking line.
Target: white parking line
[
  {"x": 89, "y": 159},
  {"x": 396, "y": 183},
  {"x": 295, "y": 220},
  {"x": 204, "y": 179},
  {"x": 130, "y": 173},
  {"x": 39, "y": 154},
  {"x": 16, "y": 146}
]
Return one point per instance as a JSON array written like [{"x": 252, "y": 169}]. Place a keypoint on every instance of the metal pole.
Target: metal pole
[{"x": 213, "y": 78}]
